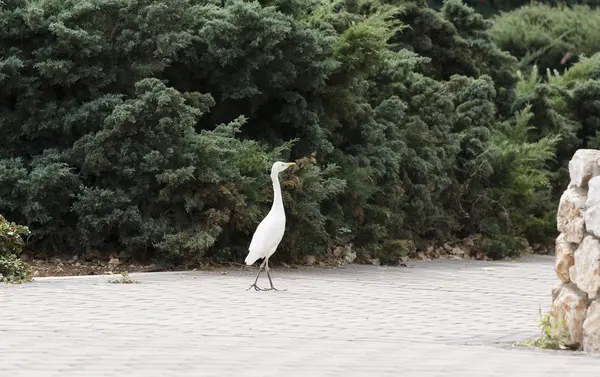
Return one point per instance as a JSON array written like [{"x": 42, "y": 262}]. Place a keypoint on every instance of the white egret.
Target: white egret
[{"x": 270, "y": 231}]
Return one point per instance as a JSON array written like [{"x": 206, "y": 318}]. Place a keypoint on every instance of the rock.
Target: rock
[
  {"x": 341, "y": 251},
  {"x": 338, "y": 251},
  {"x": 556, "y": 290},
  {"x": 593, "y": 194},
  {"x": 350, "y": 256},
  {"x": 570, "y": 306},
  {"x": 591, "y": 329},
  {"x": 569, "y": 219},
  {"x": 592, "y": 210},
  {"x": 586, "y": 270},
  {"x": 91, "y": 255},
  {"x": 310, "y": 260},
  {"x": 435, "y": 254},
  {"x": 457, "y": 251},
  {"x": 583, "y": 166},
  {"x": 468, "y": 245},
  {"x": 124, "y": 255},
  {"x": 564, "y": 259},
  {"x": 376, "y": 262},
  {"x": 592, "y": 220},
  {"x": 114, "y": 262},
  {"x": 575, "y": 230}
]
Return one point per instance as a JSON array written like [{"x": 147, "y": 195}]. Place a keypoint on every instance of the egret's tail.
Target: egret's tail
[{"x": 251, "y": 258}]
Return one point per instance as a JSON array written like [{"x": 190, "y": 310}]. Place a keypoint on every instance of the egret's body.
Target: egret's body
[
  {"x": 270, "y": 231},
  {"x": 267, "y": 237}
]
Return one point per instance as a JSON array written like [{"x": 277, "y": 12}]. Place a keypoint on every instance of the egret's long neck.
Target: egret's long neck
[{"x": 277, "y": 199}]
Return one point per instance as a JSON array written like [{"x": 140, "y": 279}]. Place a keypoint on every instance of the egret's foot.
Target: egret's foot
[{"x": 256, "y": 288}]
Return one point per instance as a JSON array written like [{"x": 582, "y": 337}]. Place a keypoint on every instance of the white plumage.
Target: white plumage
[
  {"x": 270, "y": 231},
  {"x": 267, "y": 237}
]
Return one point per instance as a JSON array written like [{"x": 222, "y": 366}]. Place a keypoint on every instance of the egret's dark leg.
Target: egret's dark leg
[
  {"x": 269, "y": 276},
  {"x": 257, "y": 275}
]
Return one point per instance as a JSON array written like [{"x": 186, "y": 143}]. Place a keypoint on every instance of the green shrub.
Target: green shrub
[
  {"x": 519, "y": 181},
  {"x": 150, "y": 126},
  {"x": 391, "y": 252},
  {"x": 543, "y": 34},
  {"x": 560, "y": 104},
  {"x": 12, "y": 269}
]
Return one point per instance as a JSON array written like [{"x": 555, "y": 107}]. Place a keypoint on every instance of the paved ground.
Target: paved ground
[{"x": 446, "y": 318}]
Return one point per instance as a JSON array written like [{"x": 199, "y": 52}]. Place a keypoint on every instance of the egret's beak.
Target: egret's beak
[{"x": 291, "y": 164}]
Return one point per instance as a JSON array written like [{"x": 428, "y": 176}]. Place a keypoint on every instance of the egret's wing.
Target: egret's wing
[{"x": 266, "y": 238}]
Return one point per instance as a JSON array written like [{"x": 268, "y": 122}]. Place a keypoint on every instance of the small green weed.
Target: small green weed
[
  {"x": 125, "y": 279},
  {"x": 554, "y": 334}
]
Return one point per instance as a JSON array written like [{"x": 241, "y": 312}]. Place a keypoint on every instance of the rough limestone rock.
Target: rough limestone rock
[
  {"x": 586, "y": 269},
  {"x": 591, "y": 329},
  {"x": 592, "y": 221},
  {"x": 570, "y": 219},
  {"x": 564, "y": 260},
  {"x": 558, "y": 287},
  {"x": 592, "y": 207},
  {"x": 593, "y": 194},
  {"x": 583, "y": 166},
  {"x": 570, "y": 306},
  {"x": 576, "y": 300},
  {"x": 575, "y": 230}
]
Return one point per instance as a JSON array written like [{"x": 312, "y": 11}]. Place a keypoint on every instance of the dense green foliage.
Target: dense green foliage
[
  {"x": 12, "y": 269},
  {"x": 149, "y": 126},
  {"x": 490, "y": 8},
  {"x": 544, "y": 34},
  {"x": 557, "y": 50}
]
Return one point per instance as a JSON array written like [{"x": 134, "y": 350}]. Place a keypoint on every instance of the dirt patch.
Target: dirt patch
[
  {"x": 58, "y": 267},
  {"x": 111, "y": 264}
]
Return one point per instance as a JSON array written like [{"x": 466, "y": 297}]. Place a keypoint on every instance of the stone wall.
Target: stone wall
[{"x": 576, "y": 299}]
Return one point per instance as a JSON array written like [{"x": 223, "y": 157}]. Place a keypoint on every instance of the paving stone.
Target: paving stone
[{"x": 438, "y": 318}]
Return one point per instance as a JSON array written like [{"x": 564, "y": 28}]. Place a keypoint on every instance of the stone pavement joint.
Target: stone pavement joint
[{"x": 440, "y": 318}]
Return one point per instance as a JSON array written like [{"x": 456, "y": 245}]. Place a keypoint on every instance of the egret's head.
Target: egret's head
[{"x": 279, "y": 166}]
